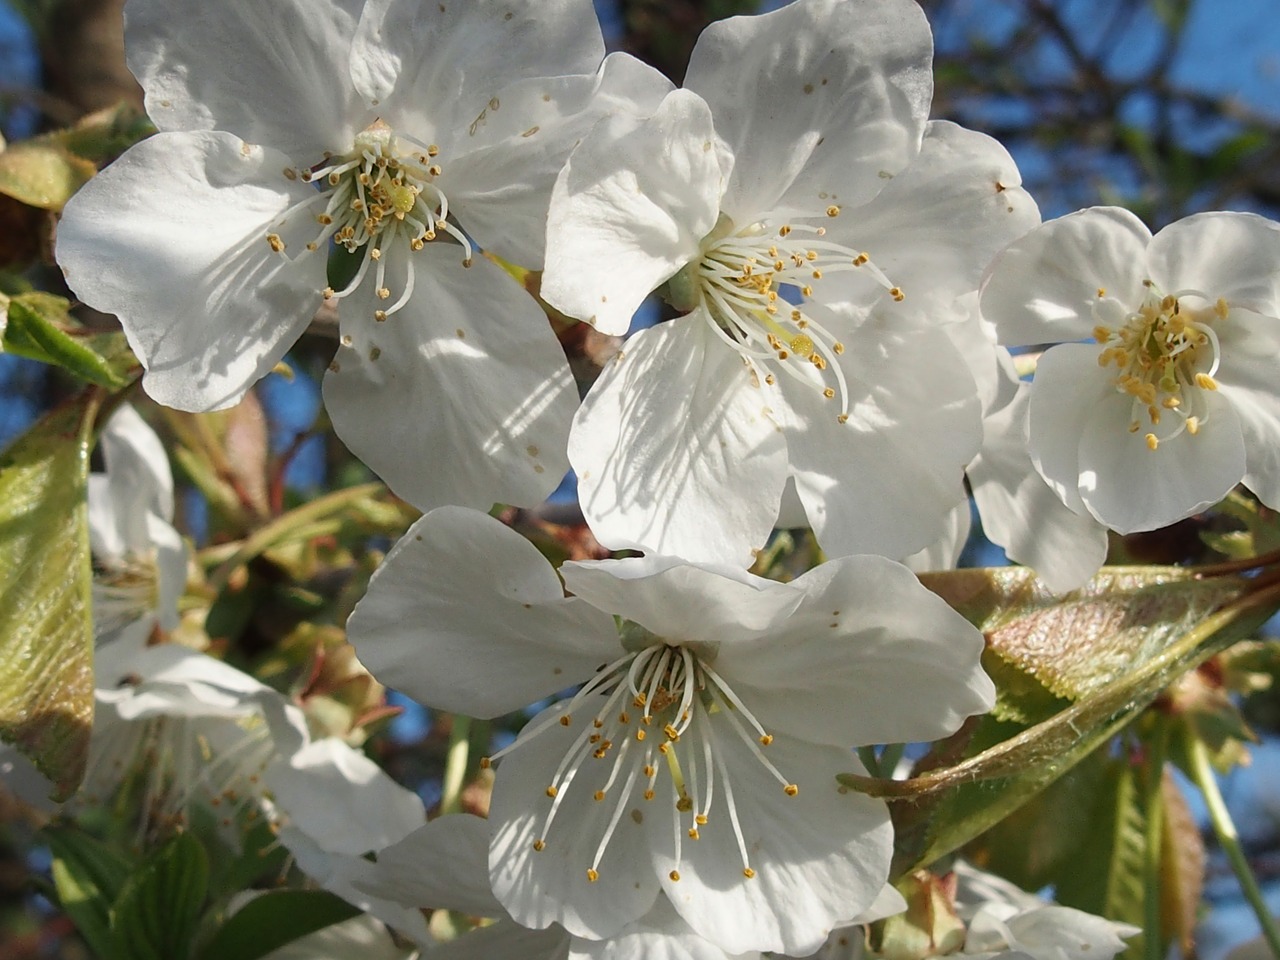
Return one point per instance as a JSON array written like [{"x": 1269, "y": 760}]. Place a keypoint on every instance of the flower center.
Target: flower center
[
  {"x": 753, "y": 285},
  {"x": 380, "y": 194},
  {"x": 651, "y": 711},
  {"x": 123, "y": 592},
  {"x": 1165, "y": 354}
]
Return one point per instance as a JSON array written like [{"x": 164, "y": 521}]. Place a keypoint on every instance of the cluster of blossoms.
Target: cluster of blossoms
[{"x": 839, "y": 363}]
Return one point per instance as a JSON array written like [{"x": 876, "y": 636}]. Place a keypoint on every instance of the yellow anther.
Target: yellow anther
[
  {"x": 860, "y": 259},
  {"x": 897, "y": 294},
  {"x": 1206, "y": 382},
  {"x": 383, "y": 293},
  {"x": 842, "y": 418},
  {"x": 766, "y": 739},
  {"x": 327, "y": 293},
  {"x": 650, "y": 770},
  {"x": 639, "y": 733},
  {"x": 567, "y": 719},
  {"x": 694, "y": 834},
  {"x": 380, "y": 315},
  {"x": 1152, "y": 441},
  {"x": 598, "y": 795},
  {"x": 1220, "y": 309},
  {"x": 1193, "y": 425},
  {"x": 784, "y": 230},
  {"x": 674, "y": 874},
  {"x": 1102, "y": 291},
  {"x": 648, "y": 794},
  {"x": 552, "y": 791},
  {"x": 274, "y": 241},
  {"x": 748, "y": 873},
  {"x": 485, "y": 763},
  {"x": 829, "y": 393},
  {"x": 593, "y": 875},
  {"x": 1170, "y": 403},
  {"x": 375, "y": 253},
  {"x": 539, "y": 845},
  {"x": 791, "y": 790},
  {"x": 1101, "y": 334},
  {"x": 833, "y": 211}
]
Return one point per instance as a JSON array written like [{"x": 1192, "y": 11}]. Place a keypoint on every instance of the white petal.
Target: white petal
[
  {"x": 136, "y": 463},
  {"x": 171, "y": 569},
  {"x": 676, "y": 449},
  {"x": 870, "y": 656},
  {"x": 639, "y": 193},
  {"x": 1130, "y": 488},
  {"x": 539, "y": 888},
  {"x": 679, "y": 600},
  {"x": 1068, "y": 388},
  {"x": 1247, "y": 378},
  {"x": 442, "y": 864},
  {"x": 435, "y": 67},
  {"x": 887, "y": 480},
  {"x": 468, "y": 386},
  {"x": 1221, "y": 254},
  {"x": 506, "y": 938},
  {"x": 661, "y": 934},
  {"x": 944, "y": 554},
  {"x": 937, "y": 224},
  {"x": 1063, "y": 932},
  {"x": 500, "y": 184},
  {"x": 1043, "y": 287},
  {"x": 466, "y": 615},
  {"x": 815, "y": 100},
  {"x": 819, "y": 856},
  {"x": 1023, "y": 514},
  {"x": 342, "y": 798},
  {"x": 172, "y": 238},
  {"x": 270, "y": 73},
  {"x": 344, "y": 875}
]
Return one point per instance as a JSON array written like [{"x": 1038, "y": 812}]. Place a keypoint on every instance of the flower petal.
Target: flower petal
[
  {"x": 1221, "y": 254},
  {"x": 936, "y": 226},
  {"x": 172, "y": 238},
  {"x": 1044, "y": 286},
  {"x": 643, "y": 194},
  {"x": 467, "y": 383},
  {"x": 1130, "y": 487},
  {"x": 678, "y": 600},
  {"x": 886, "y": 480},
  {"x": 466, "y": 615},
  {"x": 505, "y": 938},
  {"x": 436, "y": 67},
  {"x": 541, "y": 887},
  {"x": 869, "y": 656},
  {"x": 1023, "y": 514},
  {"x": 661, "y": 934},
  {"x": 1247, "y": 378},
  {"x": 500, "y": 183},
  {"x": 1068, "y": 387},
  {"x": 819, "y": 856},
  {"x": 815, "y": 101},
  {"x": 442, "y": 864},
  {"x": 676, "y": 449},
  {"x": 342, "y": 798},
  {"x": 270, "y": 73}
]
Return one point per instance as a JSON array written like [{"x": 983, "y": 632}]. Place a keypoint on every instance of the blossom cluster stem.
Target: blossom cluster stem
[
  {"x": 455, "y": 764},
  {"x": 1225, "y": 830}
]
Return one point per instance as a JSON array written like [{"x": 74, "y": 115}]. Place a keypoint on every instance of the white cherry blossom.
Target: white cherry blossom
[
  {"x": 139, "y": 561},
  {"x": 339, "y": 150},
  {"x": 697, "y": 760},
  {"x": 1174, "y": 401},
  {"x": 796, "y": 203}
]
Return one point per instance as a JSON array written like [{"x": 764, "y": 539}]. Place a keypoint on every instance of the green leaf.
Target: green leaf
[
  {"x": 42, "y": 173},
  {"x": 273, "y": 920},
  {"x": 1010, "y": 763},
  {"x": 38, "y": 327},
  {"x": 88, "y": 876},
  {"x": 46, "y": 631},
  {"x": 156, "y": 914}
]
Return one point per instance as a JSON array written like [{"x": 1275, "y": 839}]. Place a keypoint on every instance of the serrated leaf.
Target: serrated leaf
[
  {"x": 156, "y": 914},
  {"x": 273, "y": 920},
  {"x": 88, "y": 876},
  {"x": 46, "y": 632},
  {"x": 951, "y": 806},
  {"x": 1080, "y": 642},
  {"x": 42, "y": 173},
  {"x": 38, "y": 327},
  {"x": 1105, "y": 876}
]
